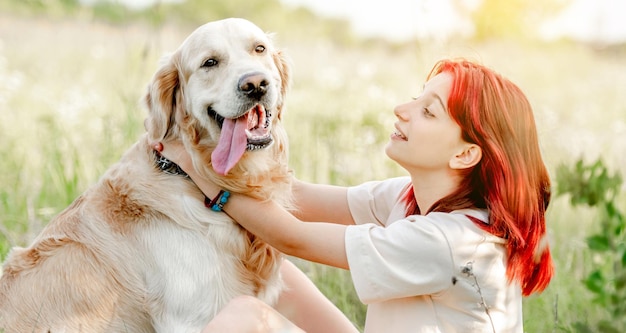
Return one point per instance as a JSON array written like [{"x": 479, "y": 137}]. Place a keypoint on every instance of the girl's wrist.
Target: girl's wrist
[
  {"x": 217, "y": 203},
  {"x": 214, "y": 195}
]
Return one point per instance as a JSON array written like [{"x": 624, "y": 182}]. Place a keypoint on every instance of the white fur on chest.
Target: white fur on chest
[{"x": 192, "y": 270}]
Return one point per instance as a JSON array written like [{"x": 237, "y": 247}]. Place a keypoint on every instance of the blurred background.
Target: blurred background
[{"x": 72, "y": 74}]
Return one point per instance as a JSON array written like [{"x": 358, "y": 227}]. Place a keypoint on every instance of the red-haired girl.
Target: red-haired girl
[{"x": 453, "y": 247}]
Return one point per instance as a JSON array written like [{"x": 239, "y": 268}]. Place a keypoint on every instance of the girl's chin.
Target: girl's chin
[
  {"x": 395, "y": 155},
  {"x": 389, "y": 151}
]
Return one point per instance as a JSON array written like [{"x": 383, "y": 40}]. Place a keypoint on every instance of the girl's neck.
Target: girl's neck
[{"x": 429, "y": 188}]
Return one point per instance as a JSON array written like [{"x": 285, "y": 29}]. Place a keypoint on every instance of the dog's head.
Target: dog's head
[{"x": 222, "y": 94}]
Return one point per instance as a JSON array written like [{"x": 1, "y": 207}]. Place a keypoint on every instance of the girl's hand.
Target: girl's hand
[{"x": 175, "y": 152}]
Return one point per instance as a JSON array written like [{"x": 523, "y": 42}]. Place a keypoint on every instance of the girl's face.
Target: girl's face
[{"x": 426, "y": 138}]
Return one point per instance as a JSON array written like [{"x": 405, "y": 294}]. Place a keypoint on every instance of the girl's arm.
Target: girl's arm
[
  {"x": 319, "y": 242},
  {"x": 317, "y": 202}
]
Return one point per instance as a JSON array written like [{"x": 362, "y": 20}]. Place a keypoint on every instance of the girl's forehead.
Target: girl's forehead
[
  {"x": 440, "y": 85},
  {"x": 440, "y": 81}
]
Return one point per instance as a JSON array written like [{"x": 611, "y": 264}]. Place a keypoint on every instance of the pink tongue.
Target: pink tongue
[{"x": 231, "y": 146}]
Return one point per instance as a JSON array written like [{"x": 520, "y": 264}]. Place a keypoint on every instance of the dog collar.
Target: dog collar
[
  {"x": 168, "y": 166},
  {"x": 172, "y": 168}
]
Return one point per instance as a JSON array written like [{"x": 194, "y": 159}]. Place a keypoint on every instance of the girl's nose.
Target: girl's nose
[{"x": 401, "y": 112}]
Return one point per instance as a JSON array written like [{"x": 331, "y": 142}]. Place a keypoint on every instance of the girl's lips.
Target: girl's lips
[{"x": 398, "y": 134}]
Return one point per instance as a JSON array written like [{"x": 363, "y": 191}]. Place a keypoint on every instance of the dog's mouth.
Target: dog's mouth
[
  {"x": 259, "y": 124},
  {"x": 251, "y": 131}
]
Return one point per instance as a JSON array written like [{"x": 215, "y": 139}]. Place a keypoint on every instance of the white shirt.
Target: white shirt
[{"x": 433, "y": 273}]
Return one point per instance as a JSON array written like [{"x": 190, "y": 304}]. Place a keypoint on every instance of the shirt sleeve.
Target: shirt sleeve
[
  {"x": 409, "y": 257},
  {"x": 373, "y": 202}
]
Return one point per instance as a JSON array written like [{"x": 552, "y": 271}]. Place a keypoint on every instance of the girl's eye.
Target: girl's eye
[
  {"x": 427, "y": 113},
  {"x": 209, "y": 63},
  {"x": 259, "y": 49}
]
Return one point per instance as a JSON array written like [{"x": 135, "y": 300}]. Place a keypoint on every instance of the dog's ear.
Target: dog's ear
[
  {"x": 163, "y": 99},
  {"x": 284, "y": 68}
]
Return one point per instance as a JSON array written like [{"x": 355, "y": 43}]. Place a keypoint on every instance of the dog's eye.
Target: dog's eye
[
  {"x": 259, "y": 49},
  {"x": 209, "y": 63}
]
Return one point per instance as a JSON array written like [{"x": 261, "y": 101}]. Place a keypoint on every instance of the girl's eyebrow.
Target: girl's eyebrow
[
  {"x": 440, "y": 100},
  {"x": 436, "y": 96},
  {"x": 432, "y": 93}
]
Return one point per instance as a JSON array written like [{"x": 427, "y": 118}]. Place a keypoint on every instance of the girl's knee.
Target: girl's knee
[{"x": 244, "y": 314}]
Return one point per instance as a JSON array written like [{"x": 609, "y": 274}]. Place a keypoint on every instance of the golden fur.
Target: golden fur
[{"x": 138, "y": 251}]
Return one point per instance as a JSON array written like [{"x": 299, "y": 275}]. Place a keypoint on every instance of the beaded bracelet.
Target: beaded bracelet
[{"x": 217, "y": 204}]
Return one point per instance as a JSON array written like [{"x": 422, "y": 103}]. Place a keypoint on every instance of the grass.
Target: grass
[{"x": 70, "y": 93}]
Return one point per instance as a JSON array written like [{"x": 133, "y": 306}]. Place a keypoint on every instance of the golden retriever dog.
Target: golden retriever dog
[{"x": 139, "y": 251}]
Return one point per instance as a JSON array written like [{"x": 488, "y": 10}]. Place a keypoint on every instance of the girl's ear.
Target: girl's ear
[{"x": 467, "y": 158}]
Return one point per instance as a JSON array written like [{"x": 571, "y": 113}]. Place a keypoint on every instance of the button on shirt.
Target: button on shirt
[{"x": 435, "y": 273}]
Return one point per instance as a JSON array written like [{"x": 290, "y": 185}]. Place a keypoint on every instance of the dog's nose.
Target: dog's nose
[{"x": 254, "y": 85}]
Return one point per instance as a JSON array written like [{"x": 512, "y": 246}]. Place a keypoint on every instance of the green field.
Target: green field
[{"x": 69, "y": 101}]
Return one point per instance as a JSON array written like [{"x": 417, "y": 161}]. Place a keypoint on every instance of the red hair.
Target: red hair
[{"x": 511, "y": 180}]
